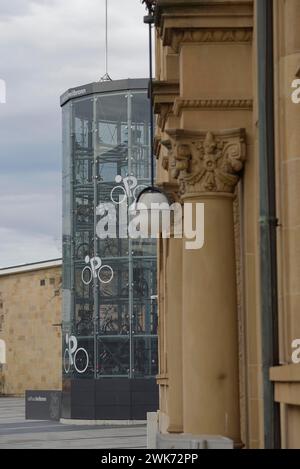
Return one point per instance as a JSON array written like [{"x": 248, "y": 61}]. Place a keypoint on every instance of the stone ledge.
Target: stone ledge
[
  {"x": 162, "y": 380},
  {"x": 192, "y": 104},
  {"x": 164, "y": 92},
  {"x": 287, "y": 393},
  {"x": 285, "y": 374},
  {"x": 287, "y": 384}
]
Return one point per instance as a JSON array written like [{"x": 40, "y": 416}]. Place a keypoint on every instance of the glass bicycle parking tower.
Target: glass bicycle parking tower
[{"x": 109, "y": 285}]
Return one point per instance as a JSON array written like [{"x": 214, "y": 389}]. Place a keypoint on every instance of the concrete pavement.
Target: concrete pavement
[{"x": 18, "y": 433}]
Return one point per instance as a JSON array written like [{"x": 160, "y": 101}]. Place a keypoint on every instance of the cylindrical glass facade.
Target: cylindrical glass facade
[{"x": 109, "y": 285}]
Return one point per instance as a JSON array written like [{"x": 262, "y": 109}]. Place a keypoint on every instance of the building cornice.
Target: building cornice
[
  {"x": 211, "y": 104},
  {"x": 19, "y": 269},
  {"x": 226, "y": 22},
  {"x": 176, "y": 37}
]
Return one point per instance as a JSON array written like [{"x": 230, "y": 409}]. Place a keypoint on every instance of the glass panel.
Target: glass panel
[
  {"x": 67, "y": 214},
  {"x": 144, "y": 279},
  {"x": 140, "y": 163},
  {"x": 113, "y": 356},
  {"x": 145, "y": 356},
  {"x": 66, "y": 170},
  {"x": 112, "y": 141}
]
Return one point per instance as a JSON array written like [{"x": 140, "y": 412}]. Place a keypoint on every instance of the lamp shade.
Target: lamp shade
[
  {"x": 152, "y": 195},
  {"x": 150, "y": 208}
]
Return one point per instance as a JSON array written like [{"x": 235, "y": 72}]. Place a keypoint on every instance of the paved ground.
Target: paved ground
[{"x": 18, "y": 433}]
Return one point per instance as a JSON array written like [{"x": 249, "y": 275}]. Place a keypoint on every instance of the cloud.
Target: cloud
[
  {"x": 46, "y": 47},
  {"x": 18, "y": 248},
  {"x": 15, "y": 8},
  {"x": 30, "y": 217},
  {"x": 31, "y": 213}
]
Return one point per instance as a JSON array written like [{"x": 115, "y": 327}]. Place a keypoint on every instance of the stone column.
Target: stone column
[
  {"x": 174, "y": 334},
  {"x": 170, "y": 378},
  {"x": 173, "y": 317},
  {"x": 207, "y": 166}
]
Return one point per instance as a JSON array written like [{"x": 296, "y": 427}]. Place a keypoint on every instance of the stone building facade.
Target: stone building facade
[
  {"x": 30, "y": 332},
  {"x": 213, "y": 375}
]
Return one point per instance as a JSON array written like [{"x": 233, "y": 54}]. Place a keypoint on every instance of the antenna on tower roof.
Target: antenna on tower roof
[{"x": 106, "y": 76}]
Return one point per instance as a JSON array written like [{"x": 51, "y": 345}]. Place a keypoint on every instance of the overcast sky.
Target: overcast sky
[{"x": 46, "y": 47}]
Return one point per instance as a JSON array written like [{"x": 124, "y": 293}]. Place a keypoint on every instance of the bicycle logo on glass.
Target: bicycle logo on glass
[
  {"x": 129, "y": 189},
  {"x": 75, "y": 356},
  {"x": 95, "y": 269}
]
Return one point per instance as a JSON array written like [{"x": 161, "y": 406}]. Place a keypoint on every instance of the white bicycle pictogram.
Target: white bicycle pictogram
[
  {"x": 129, "y": 189},
  {"x": 95, "y": 269},
  {"x": 75, "y": 356}
]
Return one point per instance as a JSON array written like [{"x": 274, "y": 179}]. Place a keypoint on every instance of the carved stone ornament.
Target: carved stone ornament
[
  {"x": 176, "y": 37},
  {"x": 206, "y": 161},
  {"x": 211, "y": 104}
]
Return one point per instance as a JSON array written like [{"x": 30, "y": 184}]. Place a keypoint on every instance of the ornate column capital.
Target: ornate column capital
[{"x": 206, "y": 161}]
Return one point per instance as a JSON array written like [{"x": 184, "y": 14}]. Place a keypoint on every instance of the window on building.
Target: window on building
[
  {"x": 52, "y": 281},
  {"x": 42, "y": 283}
]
